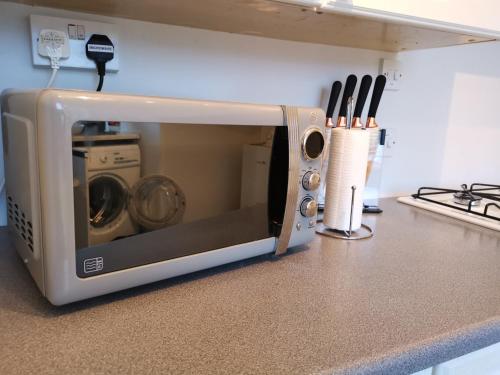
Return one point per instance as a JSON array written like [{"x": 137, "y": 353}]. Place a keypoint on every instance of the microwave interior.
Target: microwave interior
[{"x": 150, "y": 192}]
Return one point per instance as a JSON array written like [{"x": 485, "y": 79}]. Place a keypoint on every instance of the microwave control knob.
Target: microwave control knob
[
  {"x": 311, "y": 180},
  {"x": 308, "y": 207}
]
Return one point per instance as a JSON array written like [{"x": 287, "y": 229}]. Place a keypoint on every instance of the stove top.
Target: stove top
[{"x": 479, "y": 204}]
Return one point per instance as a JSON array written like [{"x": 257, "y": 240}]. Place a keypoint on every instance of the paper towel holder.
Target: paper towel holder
[{"x": 362, "y": 233}]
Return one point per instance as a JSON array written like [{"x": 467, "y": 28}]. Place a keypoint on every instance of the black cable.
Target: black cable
[
  {"x": 101, "y": 81},
  {"x": 101, "y": 70}
]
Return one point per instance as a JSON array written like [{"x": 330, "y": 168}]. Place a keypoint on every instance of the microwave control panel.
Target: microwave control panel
[{"x": 312, "y": 143}]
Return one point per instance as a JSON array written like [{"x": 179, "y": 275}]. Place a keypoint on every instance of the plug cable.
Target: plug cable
[
  {"x": 54, "y": 54},
  {"x": 100, "y": 49},
  {"x": 101, "y": 71}
]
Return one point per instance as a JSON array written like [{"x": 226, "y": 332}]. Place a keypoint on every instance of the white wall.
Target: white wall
[
  {"x": 444, "y": 90},
  {"x": 473, "y": 135},
  {"x": 445, "y": 116}
]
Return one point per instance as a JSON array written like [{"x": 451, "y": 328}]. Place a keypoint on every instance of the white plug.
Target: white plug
[{"x": 53, "y": 44}]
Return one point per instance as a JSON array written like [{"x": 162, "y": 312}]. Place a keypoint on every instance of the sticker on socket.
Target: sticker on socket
[{"x": 77, "y": 33}]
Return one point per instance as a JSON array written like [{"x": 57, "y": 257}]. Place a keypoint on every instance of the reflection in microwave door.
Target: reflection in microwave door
[{"x": 157, "y": 201}]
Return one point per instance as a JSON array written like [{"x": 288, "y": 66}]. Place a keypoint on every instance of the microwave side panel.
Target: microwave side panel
[{"x": 22, "y": 180}]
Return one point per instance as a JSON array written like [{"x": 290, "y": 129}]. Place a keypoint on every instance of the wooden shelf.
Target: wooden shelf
[
  {"x": 105, "y": 137},
  {"x": 274, "y": 19}
]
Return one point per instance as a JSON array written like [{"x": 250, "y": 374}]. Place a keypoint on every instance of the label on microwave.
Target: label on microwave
[{"x": 93, "y": 265}]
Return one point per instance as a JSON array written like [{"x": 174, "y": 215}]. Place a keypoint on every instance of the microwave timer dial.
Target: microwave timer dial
[
  {"x": 313, "y": 143},
  {"x": 308, "y": 207},
  {"x": 311, "y": 180}
]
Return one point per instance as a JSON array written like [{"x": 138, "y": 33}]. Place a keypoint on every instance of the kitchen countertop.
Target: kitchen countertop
[{"x": 424, "y": 290}]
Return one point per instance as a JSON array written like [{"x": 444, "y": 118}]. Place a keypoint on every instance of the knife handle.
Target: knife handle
[
  {"x": 350, "y": 85},
  {"x": 364, "y": 88},
  {"x": 378, "y": 90},
  {"x": 334, "y": 96}
]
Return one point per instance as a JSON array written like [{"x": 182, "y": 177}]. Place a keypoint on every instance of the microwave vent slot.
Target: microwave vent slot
[{"x": 20, "y": 222}]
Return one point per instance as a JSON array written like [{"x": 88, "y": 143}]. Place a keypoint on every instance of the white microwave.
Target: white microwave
[{"x": 107, "y": 191}]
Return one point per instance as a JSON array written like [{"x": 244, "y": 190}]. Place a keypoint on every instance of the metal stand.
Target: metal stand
[{"x": 364, "y": 232}]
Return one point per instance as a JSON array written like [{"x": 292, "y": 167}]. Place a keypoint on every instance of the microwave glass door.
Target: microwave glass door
[{"x": 145, "y": 193}]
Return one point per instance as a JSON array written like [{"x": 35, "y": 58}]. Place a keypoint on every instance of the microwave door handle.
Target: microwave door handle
[{"x": 291, "y": 120}]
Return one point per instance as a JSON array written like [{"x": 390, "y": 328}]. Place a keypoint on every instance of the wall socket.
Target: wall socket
[
  {"x": 391, "y": 69},
  {"x": 390, "y": 142},
  {"x": 78, "y": 32}
]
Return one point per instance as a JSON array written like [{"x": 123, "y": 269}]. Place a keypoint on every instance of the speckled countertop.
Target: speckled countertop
[{"x": 424, "y": 290}]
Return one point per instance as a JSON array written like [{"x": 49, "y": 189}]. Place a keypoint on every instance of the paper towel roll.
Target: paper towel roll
[
  {"x": 346, "y": 168},
  {"x": 374, "y": 142}
]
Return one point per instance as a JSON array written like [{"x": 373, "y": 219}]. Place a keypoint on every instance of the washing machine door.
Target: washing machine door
[
  {"x": 108, "y": 196},
  {"x": 156, "y": 201}
]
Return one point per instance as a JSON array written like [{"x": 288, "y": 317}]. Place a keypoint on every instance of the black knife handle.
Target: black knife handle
[
  {"x": 378, "y": 90},
  {"x": 350, "y": 85},
  {"x": 364, "y": 88},
  {"x": 334, "y": 96}
]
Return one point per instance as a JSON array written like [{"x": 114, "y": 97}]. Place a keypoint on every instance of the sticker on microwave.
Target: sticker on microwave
[{"x": 93, "y": 265}]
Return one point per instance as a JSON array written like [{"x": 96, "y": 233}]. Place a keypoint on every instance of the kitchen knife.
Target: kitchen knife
[
  {"x": 364, "y": 88},
  {"x": 334, "y": 96},
  {"x": 350, "y": 85},
  {"x": 378, "y": 90},
  {"x": 349, "y": 117}
]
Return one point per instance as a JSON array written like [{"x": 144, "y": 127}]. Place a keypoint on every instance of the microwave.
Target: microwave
[{"x": 108, "y": 191}]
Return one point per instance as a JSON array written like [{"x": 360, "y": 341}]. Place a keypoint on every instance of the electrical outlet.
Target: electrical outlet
[
  {"x": 77, "y": 33},
  {"x": 391, "y": 69},
  {"x": 390, "y": 142}
]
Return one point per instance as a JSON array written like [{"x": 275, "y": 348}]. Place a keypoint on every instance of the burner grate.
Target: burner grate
[{"x": 480, "y": 190}]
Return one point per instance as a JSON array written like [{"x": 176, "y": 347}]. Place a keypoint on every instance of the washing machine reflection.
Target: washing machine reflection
[{"x": 113, "y": 201}]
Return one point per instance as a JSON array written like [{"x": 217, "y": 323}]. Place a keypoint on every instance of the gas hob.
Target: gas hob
[{"x": 479, "y": 204}]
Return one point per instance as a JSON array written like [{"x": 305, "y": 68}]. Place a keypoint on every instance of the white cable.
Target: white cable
[
  {"x": 54, "y": 54},
  {"x": 52, "y": 77}
]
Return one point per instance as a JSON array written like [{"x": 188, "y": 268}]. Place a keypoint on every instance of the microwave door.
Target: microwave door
[{"x": 212, "y": 187}]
